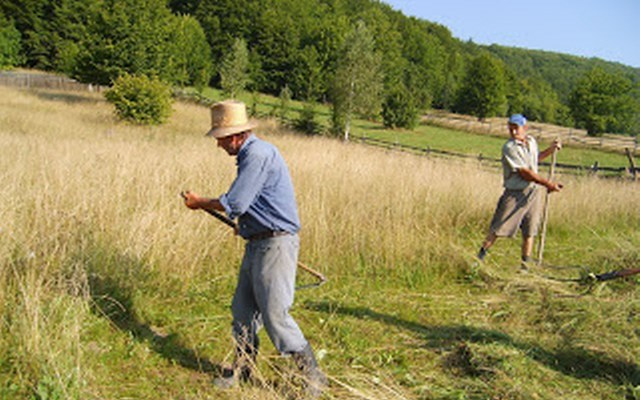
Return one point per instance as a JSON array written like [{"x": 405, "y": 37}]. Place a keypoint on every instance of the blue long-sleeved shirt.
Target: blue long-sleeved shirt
[{"x": 262, "y": 195}]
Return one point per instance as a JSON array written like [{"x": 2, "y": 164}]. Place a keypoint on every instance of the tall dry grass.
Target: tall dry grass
[{"x": 88, "y": 199}]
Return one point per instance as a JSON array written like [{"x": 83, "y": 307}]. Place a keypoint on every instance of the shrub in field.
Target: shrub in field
[
  {"x": 399, "y": 109},
  {"x": 140, "y": 99}
]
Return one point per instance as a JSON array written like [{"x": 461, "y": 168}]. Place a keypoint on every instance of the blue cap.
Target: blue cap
[{"x": 518, "y": 119}]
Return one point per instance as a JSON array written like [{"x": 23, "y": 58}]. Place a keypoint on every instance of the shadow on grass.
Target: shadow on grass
[
  {"x": 113, "y": 300},
  {"x": 576, "y": 362}
]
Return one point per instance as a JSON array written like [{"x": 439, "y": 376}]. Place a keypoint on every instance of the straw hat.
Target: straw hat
[{"x": 228, "y": 118}]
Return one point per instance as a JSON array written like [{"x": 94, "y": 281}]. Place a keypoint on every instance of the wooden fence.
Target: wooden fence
[
  {"x": 45, "y": 81},
  {"x": 547, "y": 132},
  {"x": 631, "y": 172}
]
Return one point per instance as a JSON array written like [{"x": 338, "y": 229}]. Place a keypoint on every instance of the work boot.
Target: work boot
[
  {"x": 316, "y": 380},
  {"x": 240, "y": 371},
  {"x": 226, "y": 380}
]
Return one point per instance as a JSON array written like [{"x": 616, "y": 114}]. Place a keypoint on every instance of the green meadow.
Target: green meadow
[{"x": 426, "y": 136}]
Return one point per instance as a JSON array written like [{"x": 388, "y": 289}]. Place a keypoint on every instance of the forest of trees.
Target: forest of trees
[{"x": 361, "y": 56}]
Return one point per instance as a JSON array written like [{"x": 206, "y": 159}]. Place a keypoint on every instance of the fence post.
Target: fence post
[
  {"x": 594, "y": 168},
  {"x": 632, "y": 164},
  {"x": 570, "y": 135}
]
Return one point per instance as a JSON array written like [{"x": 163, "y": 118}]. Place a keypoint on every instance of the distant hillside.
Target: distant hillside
[
  {"x": 301, "y": 45},
  {"x": 560, "y": 70}
]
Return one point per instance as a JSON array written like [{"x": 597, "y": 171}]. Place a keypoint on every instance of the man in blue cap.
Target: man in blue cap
[{"x": 520, "y": 205}]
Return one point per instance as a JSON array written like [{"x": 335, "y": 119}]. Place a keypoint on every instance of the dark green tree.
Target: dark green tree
[
  {"x": 483, "y": 91},
  {"x": 453, "y": 77},
  {"x": 428, "y": 60},
  {"x": 309, "y": 75},
  {"x": 225, "y": 20},
  {"x": 31, "y": 19},
  {"x": 69, "y": 31},
  {"x": 191, "y": 54},
  {"x": 53, "y": 32},
  {"x": 183, "y": 6},
  {"x": 538, "y": 101},
  {"x": 234, "y": 69},
  {"x": 602, "y": 102},
  {"x": 129, "y": 36},
  {"x": 9, "y": 44},
  {"x": 306, "y": 121},
  {"x": 278, "y": 43}
]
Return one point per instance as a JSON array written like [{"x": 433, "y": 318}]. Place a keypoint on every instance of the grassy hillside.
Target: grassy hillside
[
  {"x": 111, "y": 289},
  {"x": 428, "y": 136}
]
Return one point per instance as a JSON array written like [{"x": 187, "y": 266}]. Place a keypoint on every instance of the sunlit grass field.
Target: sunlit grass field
[{"x": 111, "y": 289}]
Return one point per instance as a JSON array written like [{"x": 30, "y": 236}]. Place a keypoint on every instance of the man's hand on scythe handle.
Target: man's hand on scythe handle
[
  {"x": 551, "y": 187},
  {"x": 221, "y": 217},
  {"x": 213, "y": 213}
]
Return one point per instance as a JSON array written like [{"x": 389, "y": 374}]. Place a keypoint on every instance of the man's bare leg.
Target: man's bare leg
[{"x": 488, "y": 242}]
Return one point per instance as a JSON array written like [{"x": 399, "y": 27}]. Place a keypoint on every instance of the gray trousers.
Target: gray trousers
[{"x": 265, "y": 291}]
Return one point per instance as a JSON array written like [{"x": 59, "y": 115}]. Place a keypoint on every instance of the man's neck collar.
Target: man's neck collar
[
  {"x": 250, "y": 138},
  {"x": 523, "y": 140}
]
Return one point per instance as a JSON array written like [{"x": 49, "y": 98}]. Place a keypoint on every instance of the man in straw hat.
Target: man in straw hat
[
  {"x": 519, "y": 206},
  {"x": 263, "y": 200}
]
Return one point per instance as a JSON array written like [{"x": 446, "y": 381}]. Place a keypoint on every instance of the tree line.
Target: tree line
[{"x": 361, "y": 56}]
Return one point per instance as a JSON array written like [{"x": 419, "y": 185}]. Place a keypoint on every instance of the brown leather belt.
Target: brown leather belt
[{"x": 267, "y": 235}]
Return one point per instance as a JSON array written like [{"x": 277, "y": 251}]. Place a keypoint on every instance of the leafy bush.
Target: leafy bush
[
  {"x": 399, "y": 109},
  {"x": 140, "y": 99}
]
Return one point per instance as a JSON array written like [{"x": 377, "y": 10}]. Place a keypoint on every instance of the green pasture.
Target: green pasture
[{"x": 433, "y": 137}]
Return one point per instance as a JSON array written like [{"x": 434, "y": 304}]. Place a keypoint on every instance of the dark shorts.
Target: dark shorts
[{"x": 518, "y": 209}]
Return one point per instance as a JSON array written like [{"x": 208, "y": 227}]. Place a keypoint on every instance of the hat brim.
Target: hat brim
[{"x": 219, "y": 133}]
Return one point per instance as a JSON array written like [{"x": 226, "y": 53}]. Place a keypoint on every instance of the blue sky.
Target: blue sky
[{"x": 607, "y": 29}]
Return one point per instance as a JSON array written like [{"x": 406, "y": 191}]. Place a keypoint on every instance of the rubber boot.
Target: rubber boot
[
  {"x": 316, "y": 380},
  {"x": 245, "y": 360}
]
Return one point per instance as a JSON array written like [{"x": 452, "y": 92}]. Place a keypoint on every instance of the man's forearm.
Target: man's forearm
[
  {"x": 530, "y": 176},
  {"x": 205, "y": 203},
  {"x": 555, "y": 146},
  {"x": 211, "y": 204},
  {"x": 546, "y": 153}
]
